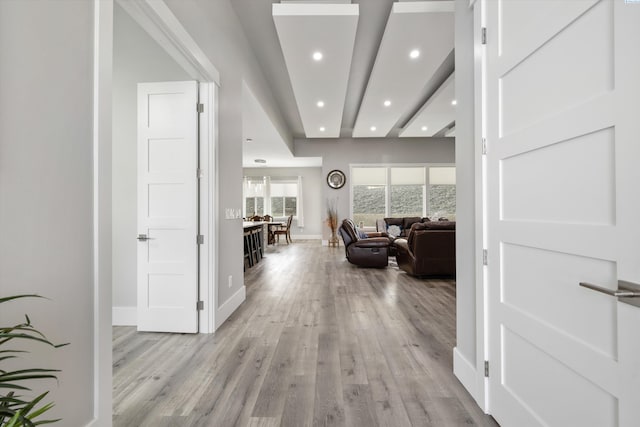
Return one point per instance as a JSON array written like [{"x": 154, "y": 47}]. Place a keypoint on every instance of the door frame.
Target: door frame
[
  {"x": 162, "y": 25},
  {"x": 471, "y": 371}
]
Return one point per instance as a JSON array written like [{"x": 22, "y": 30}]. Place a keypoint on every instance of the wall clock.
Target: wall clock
[{"x": 336, "y": 179}]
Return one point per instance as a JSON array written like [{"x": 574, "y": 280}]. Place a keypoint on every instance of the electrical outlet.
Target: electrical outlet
[{"x": 230, "y": 281}]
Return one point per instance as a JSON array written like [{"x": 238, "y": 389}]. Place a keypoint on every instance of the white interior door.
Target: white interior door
[
  {"x": 563, "y": 174},
  {"x": 167, "y": 207}
]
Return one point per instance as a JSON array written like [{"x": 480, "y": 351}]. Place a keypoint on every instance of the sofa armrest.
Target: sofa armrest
[
  {"x": 374, "y": 242},
  {"x": 376, "y": 234}
]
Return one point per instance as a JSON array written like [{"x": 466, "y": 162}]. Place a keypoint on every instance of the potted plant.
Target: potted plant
[{"x": 17, "y": 410}]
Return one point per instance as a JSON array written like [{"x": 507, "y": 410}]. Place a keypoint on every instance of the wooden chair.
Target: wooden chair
[
  {"x": 267, "y": 218},
  {"x": 284, "y": 231}
]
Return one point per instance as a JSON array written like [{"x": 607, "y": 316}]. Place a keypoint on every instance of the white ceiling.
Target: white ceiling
[
  {"x": 436, "y": 115},
  {"x": 422, "y": 27},
  {"x": 265, "y": 141},
  {"x": 319, "y": 85},
  {"x": 376, "y": 69}
]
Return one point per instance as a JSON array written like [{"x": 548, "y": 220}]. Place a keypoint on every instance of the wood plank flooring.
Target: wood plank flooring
[{"x": 318, "y": 342}]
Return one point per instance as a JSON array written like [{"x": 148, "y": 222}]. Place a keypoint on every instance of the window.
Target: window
[
  {"x": 276, "y": 196},
  {"x": 254, "y": 192},
  {"x": 284, "y": 196},
  {"x": 442, "y": 192},
  {"x": 407, "y": 192},
  {"x": 369, "y": 194},
  {"x": 402, "y": 191}
]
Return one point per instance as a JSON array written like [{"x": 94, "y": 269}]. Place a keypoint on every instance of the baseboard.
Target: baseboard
[
  {"x": 466, "y": 372},
  {"x": 124, "y": 316},
  {"x": 229, "y": 306}
]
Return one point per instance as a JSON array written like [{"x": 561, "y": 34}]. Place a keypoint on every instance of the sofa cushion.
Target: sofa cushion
[
  {"x": 425, "y": 219},
  {"x": 429, "y": 225},
  {"x": 407, "y": 222},
  {"x": 393, "y": 221},
  {"x": 350, "y": 228},
  {"x": 440, "y": 225}
]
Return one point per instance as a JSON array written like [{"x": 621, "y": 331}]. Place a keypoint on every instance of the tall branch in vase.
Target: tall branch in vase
[{"x": 332, "y": 221}]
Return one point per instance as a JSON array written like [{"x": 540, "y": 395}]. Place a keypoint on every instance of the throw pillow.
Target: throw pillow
[{"x": 394, "y": 230}]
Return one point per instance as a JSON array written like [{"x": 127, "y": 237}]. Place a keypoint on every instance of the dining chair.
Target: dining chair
[{"x": 284, "y": 231}]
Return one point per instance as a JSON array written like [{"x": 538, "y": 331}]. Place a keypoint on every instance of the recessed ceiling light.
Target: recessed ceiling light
[
  {"x": 317, "y": 56},
  {"x": 387, "y": 103},
  {"x": 424, "y": 128},
  {"x": 322, "y": 129},
  {"x": 414, "y": 53},
  {"x": 320, "y": 104},
  {"x": 454, "y": 102},
  {"x": 373, "y": 128},
  {"x": 260, "y": 161}
]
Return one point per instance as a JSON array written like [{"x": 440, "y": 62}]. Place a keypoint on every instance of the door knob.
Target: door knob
[
  {"x": 627, "y": 292},
  {"x": 143, "y": 237}
]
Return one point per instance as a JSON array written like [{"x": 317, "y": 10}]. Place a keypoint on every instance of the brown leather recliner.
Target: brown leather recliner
[
  {"x": 369, "y": 252},
  {"x": 430, "y": 249}
]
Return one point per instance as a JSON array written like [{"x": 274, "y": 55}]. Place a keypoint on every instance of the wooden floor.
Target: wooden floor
[{"x": 318, "y": 342}]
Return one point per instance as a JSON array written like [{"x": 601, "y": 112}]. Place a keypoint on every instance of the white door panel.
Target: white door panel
[
  {"x": 167, "y": 207},
  {"x": 563, "y": 144}
]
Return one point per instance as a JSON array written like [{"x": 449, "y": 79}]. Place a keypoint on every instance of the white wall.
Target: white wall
[
  {"x": 312, "y": 181},
  {"x": 342, "y": 152},
  {"x": 46, "y": 189},
  {"x": 216, "y": 29},
  {"x": 136, "y": 58}
]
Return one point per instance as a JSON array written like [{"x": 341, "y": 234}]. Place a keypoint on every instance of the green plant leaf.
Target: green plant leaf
[
  {"x": 15, "y": 410},
  {"x": 5, "y": 299}
]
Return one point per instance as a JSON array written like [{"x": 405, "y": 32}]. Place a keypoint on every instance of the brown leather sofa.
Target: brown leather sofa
[
  {"x": 429, "y": 250},
  {"x": 372, "y": 251},
  {"x": 403, "y": 225}
]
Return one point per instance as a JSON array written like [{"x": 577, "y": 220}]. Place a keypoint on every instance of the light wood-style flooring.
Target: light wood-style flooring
[{"x": 318, "y": 342}]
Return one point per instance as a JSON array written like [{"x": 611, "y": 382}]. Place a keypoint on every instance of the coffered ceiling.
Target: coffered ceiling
[
  {"x": 317, "y": 43},
  {"x": 416, "y": 41},
  {"x": 366, "y": 48},
  {"x": 437, "y": 115}
]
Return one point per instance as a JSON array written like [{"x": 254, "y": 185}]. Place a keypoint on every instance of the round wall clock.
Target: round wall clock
[{"x": 336, "y": 179}]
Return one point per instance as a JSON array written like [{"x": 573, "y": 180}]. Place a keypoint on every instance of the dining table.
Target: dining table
[{"x": 271, "y": 225}]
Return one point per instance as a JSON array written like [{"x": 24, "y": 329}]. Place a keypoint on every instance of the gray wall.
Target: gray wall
[
  {"x": 342, "y": 152},
  {"x": 136, "y": 58},
  {"x": 312, "y": 181},
  {"x": 216, "y": 29},
  {"x": 46, "y": 195}
]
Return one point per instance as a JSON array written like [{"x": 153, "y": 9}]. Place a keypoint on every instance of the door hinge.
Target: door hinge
[
  {"x": 484, "y": 35},
  {"x": 484, "y": 146},
  {"x": 200, "y": 305},
  {"x": 485, "y": 257},
  {"x": 199, "y": 173},
  {"x": 486, "y": 369},
  {"x": 200, "y": 108},
  {"x": 200, "y": 239}
]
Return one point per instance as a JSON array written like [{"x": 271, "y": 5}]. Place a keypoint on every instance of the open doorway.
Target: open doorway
[{"x": 142, "y": 52}]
